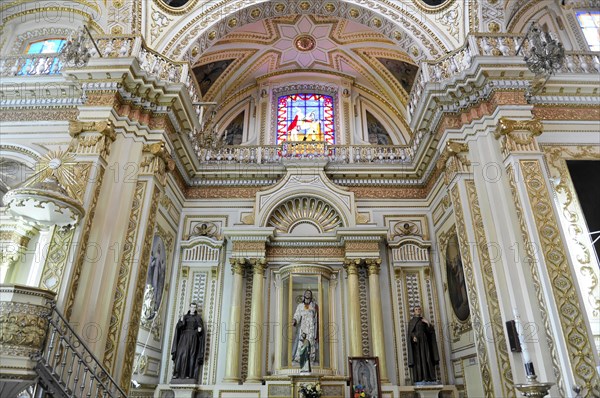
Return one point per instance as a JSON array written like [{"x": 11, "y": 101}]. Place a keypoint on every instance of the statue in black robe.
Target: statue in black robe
[
  {"x": 422, "y": 348},
  {"x": 187, "y": 351}
]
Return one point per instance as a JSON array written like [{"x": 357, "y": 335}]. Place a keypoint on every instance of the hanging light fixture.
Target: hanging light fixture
[
  {"x": 544, "y": 56},
  {"x": 46, "y": 198}
]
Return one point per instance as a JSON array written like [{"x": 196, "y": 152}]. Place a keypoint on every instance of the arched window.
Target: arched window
[
  {"x": 305, "y": 117},
  {"x": 43, "y": 65},
  {"x": 46, "y": 46},
  {"x": 590, "y": 25}
]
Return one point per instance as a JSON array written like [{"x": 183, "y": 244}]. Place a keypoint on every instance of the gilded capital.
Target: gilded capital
[
  {"x": 259, "y": 265},
  {"x": 518, "y": 135},
  {"x": 237, "y": 265},
  {"x": 351, "y": 265},
  {"x": 451, "y": 161},
  {"x": 91, "y": 137},
  {"x": 156, "y": 160},
  {"x": 373, "y": 265}
]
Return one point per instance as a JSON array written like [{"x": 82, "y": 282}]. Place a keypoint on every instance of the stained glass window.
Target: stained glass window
[
  {"x": 590, "y": 25},
  {"x": 305, "y": 117}
]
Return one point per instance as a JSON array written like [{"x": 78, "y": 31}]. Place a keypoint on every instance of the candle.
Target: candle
[{"x": 520, "y": 329}]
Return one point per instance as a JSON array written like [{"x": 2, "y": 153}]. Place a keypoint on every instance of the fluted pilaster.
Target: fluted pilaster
[
  {"x": 377, "y": 316},
  {"x": 256, "y": 322},
  {"x": 232, "y": 368},
  {"x": 354, "y": 307}
]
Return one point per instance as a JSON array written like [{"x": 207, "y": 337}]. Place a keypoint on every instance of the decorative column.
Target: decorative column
[
  {"x": 256, "y": 322},
  {"x": 14, "y": 246},
  {"x": 377, "y": 316},
  {"x": 232, "y": 367},
  {"x": 351, "y": 266},
  {"x": 478, "y": 272},
  {"x": 551, "y": 266}
]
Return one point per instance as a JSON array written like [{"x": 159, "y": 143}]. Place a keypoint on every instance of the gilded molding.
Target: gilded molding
[
  {"x": 529, "y": 249},
  {"x": 480, "y": 337},
  {"x": 563, "y": 112},
  {"x": 247, "y": 309},
  {"x": 57, "y": 258},
  {"x": 221, "y": 192},
  {"x": 566, "y": 196},
  {"x": 30, "y": 115},
  {"x": 124, "y": 275},
  {"x": 138, "y": 293},
  {"x": 563, "y": 287},
  {"x": 497, "y": 325},
  {"x": 305, "y": 252},
  {"x": 247, "y": 246},
  {"x": 361, "y": 246},
  {"x": 81, "y": 255}
]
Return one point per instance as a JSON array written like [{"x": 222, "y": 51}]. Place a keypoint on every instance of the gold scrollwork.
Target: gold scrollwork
[
  {"x": 473, "y": 296},
  {"x": 571, "y": 318},
  {"x": 487, "y": 273}
]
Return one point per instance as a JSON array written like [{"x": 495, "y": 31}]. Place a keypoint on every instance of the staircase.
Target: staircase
[{"x": 67, "y": 368}]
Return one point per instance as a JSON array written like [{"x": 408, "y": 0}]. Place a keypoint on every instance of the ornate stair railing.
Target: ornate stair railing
[{"x": 67, "y": 368}]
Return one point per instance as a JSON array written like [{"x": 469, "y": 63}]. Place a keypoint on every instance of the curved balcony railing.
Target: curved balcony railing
[
  {"x": 109, "y": 46},
  {"x": 269, "y": 154},
  {"x": 30, "y": 65},
  {"x": 489, "y": 45}
]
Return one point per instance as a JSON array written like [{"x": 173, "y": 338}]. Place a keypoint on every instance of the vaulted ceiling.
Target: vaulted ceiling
[{"x": 292, "y": 43}]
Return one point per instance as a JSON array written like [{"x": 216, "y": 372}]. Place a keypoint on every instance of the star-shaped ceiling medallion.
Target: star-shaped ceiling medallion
[{"x": 304, "y": 42}]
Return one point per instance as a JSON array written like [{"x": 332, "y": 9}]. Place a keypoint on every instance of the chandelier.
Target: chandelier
[
  {"x": 207, "y": 137},
  {"x": 76, "y": 52},
  {"x": 544, "y": 57}
]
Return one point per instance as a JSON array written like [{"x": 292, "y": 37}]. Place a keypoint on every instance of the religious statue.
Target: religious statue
[
  {"x": 187, "y": 351},
  {"x": 304, "y": 350},
  {"x": 422, "y": 348},
  {"x": 306, "y": 318}
]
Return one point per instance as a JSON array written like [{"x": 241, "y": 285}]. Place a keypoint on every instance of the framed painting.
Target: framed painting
[
  {"x": 457, "y": 289},
  {"x": 364, "y": 377}
]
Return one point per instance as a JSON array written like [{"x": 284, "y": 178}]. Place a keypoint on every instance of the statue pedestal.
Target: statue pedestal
[
  {"x": 183, "y": 390},
  {"x": 428, "y": 390},
  {"x": 302, "y": 379}
]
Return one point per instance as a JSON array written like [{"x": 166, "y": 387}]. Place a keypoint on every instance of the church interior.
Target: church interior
[{"x": 299, "y": 198}]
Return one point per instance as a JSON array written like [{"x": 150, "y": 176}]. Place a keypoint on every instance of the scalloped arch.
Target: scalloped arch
[
  {"x": 305, "y": 209},
  {"x": 398, "y": 22}
]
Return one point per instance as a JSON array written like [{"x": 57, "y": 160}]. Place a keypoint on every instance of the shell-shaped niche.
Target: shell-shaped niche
[{"x": 305, "y": 216}]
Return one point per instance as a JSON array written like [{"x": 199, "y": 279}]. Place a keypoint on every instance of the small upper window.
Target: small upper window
[
  {"x": 590, "y": 25},
  {"x": 43, "y": 65},
  {"x": 46, "y": 46}
]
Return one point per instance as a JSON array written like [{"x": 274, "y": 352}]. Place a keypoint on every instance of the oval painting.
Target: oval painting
[
  {"x": 457, "y": 289},
  {"x": 175, "y": 3},
  {"x": 156, "y": 270}
]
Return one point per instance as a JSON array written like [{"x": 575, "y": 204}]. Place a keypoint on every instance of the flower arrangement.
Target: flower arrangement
[
  {"x": 310, "y": 390},
  {"x": 359, "y": 391}
]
